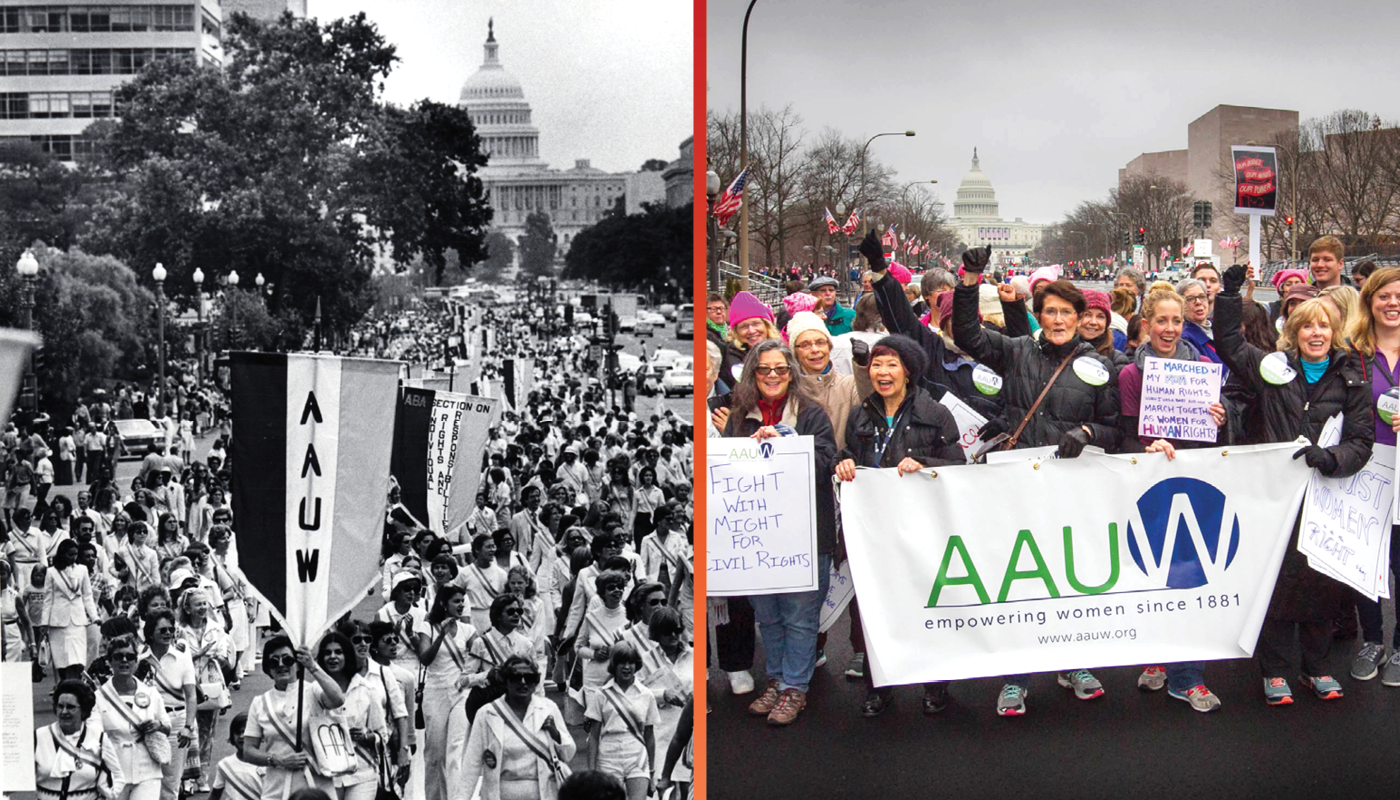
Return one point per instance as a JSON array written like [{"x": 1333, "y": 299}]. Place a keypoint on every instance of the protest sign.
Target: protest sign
[
  {"x": 839, "y": 592},
  {"x": 17, "y": 734},
  {"x": 761, "y": 531},
  {"x": 438, "y": 441},
  {"x": 1164, "y": 561},
  {"x": 1176, "y": 399},
  {"x": 969, "y": 422},
  {"x": 309, "y": 434},
  {"x": 1256, "y": 179},
  {"x": 1345, "y": 526}
]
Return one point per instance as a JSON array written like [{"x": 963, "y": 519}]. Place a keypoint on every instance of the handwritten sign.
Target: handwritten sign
[
  {"x": 839, "y": 593},
  {"x": 1345, "y": 528},
  {"x": 761, "y": 531},
  {"x": 17, "y": 735},
  {"x": 1176, "y": 400},
  {"x": 1256, "y": 179},
  {"x": 969, "y": 422}
]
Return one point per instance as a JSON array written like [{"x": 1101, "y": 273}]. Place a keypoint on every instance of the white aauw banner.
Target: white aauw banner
[{"x": 1065, "y": 564}]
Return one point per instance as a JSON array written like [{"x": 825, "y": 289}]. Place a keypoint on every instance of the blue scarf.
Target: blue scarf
[{"x": 1314, "y": 370}]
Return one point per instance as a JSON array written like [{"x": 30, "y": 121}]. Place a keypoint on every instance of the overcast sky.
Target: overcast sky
[
  {"x": 608, "y": 80},
  {"x": 1056, "y": 96}
]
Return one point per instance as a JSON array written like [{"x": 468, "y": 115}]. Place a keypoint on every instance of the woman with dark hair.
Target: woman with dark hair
[
  {"x": 766, "y": 403},
  {"x": 622, "y": 737},
  {"x": 407, "y": 618},
  {"x": 171, "y": 670},
  {"x": 68, "y": 608},
  {"x": 399, "y": 547},
  {"x": 444, "y": 651},
  {"x": 169, "y": 541},
  {"x": 1323, "y": 379},
  {"x": 649, "y": 497},
  {"x": 507, "y": 557},
  {"x": 619, "y": 494},
  {"x": 360, "y": 717},
  {"x": 384, "y": 685},
  {"x": 140, "y": 558},
  {"x": 601, "y": 627},
  {"x": 270, "y": 740},
  {"x": 899, "y": 426},
  {"x": 134, "y": 718},
  {"x": 1059, "y": 392},
  {"x": 519, "y": 746},
  {"x": 72, "y": 760},
  {"x": 444, "y": 572}
]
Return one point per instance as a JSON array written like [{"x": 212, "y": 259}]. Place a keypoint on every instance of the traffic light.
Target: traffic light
[
  {"x": 1141, "y": 236},
  {"x": 1198, "y": 215},
  {"x": 1127, "y": 240},
  {"x": 1288, "y": 221},
  {"x": 569, "y": 315},
  {"x": 1205, "y": 213},
  {"x": 39, "y": 359}
]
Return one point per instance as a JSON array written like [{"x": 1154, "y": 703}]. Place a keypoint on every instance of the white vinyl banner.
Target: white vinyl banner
[
  {"x": 1345, "y": 530},
  {"x": 1037, "y": 566},
  {"x": 762, "y": 527},
  {"x": 457, "y": 429}
]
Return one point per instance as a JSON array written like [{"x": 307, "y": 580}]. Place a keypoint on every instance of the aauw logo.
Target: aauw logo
[
  {"x": 766, "y": 448},
  {"x": 1183, "y": 533}
]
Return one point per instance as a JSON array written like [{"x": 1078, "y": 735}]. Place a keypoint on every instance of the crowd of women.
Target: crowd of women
[
  {"x": 558, "y": 614},
  {"x": 1065, "y": 372}
]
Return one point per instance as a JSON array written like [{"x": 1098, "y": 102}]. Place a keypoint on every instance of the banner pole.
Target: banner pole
[{"x": 301, "y": 691}]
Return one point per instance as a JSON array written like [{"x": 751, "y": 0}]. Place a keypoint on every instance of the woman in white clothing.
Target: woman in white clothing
[
  {"x": 211, "y": 649},
  {"x": 133, "y": 717},
  {"x": 361, "y": 717},
  {"x": 270, "y": 739},
  {"x": 623, "y": 717},
  {"x": 519, "y": 747},
  {"x": 68, "y": 608},
  {"x": 74, "y": 760},
  {"x": 444, "y": 652}
]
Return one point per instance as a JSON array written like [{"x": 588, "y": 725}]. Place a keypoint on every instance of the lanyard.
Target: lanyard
[
  {"x": 1390, "y": 377},
  {"x": 881, "y": 442}
]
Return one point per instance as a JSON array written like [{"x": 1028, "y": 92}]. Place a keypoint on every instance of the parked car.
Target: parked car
[
  {"x": 137, "y": 436},
  {"x": 685, "y": 321},
  {"x": 678, "y": 382},
  {"x": 645, "y": 327},
  {"x": 665, "y": 356}
]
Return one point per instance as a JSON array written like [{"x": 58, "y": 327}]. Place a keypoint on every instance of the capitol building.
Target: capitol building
[
  {"x": 977, "y": 219},
  {"x": 518, "y": 183}
]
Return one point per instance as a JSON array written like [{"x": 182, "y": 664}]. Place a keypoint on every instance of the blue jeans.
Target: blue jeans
[
  {"x": 1185, "y": 675},
  {"x": 788, "y": 624}
]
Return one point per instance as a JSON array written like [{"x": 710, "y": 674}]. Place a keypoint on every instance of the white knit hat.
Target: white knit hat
[
  {"x": 803, "y": 322},
  {"x": 988, "y": 301}
]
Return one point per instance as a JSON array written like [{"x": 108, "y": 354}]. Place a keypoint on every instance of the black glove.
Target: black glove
[
  {"x": 873, "y": 252},
  {"x": 994, "y": 428},
  {"x": 977, "y": 259},
  {"x": 1073, "y": 442},
  {"x": 1318, "y": 458},
  {"x": 1233, "y": 279},
  {"x": 860, "y": 353}
]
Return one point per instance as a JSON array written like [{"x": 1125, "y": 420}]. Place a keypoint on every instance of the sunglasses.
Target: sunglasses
[
  {"x": 123, "y": 656},
  {"x": 766, "y": 371},
  {"x": 361, "y": 640},
  {"x": 656, "y": 602},
  {"x": 513, "y": 610},
  {"x": 281, "y": 661},
  {"x": 530, "y": 678}
]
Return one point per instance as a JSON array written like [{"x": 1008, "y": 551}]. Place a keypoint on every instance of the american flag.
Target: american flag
[
  {"x": 1166, "y": 253},
  {"x": 728, "y": 203},
  {"x": 1186, "y": 251},
  {"x": 890, "y": 239},
  {"x": 831, "y": 226},
  {"x": 852, "y": 222}
]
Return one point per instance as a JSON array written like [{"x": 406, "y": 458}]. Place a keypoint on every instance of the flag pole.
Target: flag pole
[{"x": 301, "y": 691}]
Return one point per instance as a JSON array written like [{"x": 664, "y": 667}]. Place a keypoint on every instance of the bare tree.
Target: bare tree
[{"x": 775, "y": 171}]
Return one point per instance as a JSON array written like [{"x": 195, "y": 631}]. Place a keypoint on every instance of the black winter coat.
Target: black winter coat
[
  {"x": 732, "y": 365},
  {"x": 898, "y": 317},
  {"x": 924, "y": 431},
  {"x": 1294, "y": 409},
  {"x": 811, "y": 421},
  {"x": 1026, "y": 365}
]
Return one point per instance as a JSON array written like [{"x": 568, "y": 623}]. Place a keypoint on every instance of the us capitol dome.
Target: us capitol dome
[{"x": 977, "y": 218}]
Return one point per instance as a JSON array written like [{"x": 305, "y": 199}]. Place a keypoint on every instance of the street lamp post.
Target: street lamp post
[
  {"x": 744, "y": 149},
  {"x": 28, "y": 268},
  {"x": 159, "y": 274},
  {"x": 233, "y": 327},
  {"x": 711, "y": 230},
  {"x": 866, "y": 146},
  {"x": 198, "y": 278}
]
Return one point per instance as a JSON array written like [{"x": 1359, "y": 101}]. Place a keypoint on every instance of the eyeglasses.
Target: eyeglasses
[
  {"x": 361, "y": 640},
  {"x": 530, "y": 678},
  {"x": 766, "y": 371},
  {"x": 513, "y": 610},
  {"x": 814, "y": 344},
  {"x": 164, "y": 629},
  {"x": 1195, "y": 298},
  {"x": 281, "y": 661},
  {"x": 122, "y": 656}
]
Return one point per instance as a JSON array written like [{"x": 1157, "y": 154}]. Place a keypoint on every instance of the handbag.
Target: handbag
[{"x": 1010, "y": 442}]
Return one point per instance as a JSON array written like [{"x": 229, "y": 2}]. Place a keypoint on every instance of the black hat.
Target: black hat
[{"x": 909, "y": 352}]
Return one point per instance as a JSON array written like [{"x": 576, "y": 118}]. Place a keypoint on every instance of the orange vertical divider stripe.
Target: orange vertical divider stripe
[{"x": 698, "y": 339}]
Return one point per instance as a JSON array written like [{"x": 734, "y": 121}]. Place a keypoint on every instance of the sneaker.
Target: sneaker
[
  {"x": 1390, "y": 676},
  {"x": 1084, "y": 684},
  {"x": 1277, "y": 693},
  {"x": 1012, "y": 701},
  {"x": 1152, "y": 679},
  {"x": 767, "y": 701},
  {"x": 1325, "y": 686},
  {"x": 935, "y": 699},
  {"x": 741, "y": 682},
  {"x": 856, "y": 670},
  {"x": 1200, "y": 698},
  {"x": 790, "y": 704},
  {"x": 1368, "y": 661},
  {"x": 821, "y": 657}
]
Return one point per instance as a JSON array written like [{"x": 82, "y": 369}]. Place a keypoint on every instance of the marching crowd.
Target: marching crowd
[
  {"x": 1051, "y": 365},
  {"x": 561, "y": 608}
]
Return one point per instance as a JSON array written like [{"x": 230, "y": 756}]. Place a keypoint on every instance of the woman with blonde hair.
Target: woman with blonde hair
[
  {"x": 750, "y": 322},
  {"x": 1347, "y": 300},
  {"x": 1375, "y": 336}
]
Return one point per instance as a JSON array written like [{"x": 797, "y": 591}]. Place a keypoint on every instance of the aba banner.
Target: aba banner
[
  {"x": 438, "y": 441},
  {"x": 15, "y": 347},
  {"x": 1018, "y": 568},
  {"x": 310, "y": 454}
]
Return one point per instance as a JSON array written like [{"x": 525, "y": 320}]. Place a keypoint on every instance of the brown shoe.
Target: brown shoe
[
  {"x": 790, "y": 703},
  {"x": 767, "y": 701}
]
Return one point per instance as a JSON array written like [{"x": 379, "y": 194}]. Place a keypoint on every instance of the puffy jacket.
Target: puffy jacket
[
  {"x": 924, "y": 431},
  {"x": 809, "y": 420},
  {"x": 1026, "y": 365},
  {"x": 1298, "y": 408},
  {"x": 837, "y": 395},
  {"x": 940, "y": 376}
]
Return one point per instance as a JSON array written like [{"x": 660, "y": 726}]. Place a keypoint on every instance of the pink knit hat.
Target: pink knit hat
[
  {"x": 799, "y": 301},
  {"x": 1284, "y": 274},
  {"x": 1095, "y": 298},
  {"x": 746, "y": 306},
  {"x": 1048, "y": 274},
  {"x": 900, "y": 272}
]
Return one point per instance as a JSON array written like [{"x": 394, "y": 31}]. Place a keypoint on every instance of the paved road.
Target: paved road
[{"x": 1125, "y": 744}]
